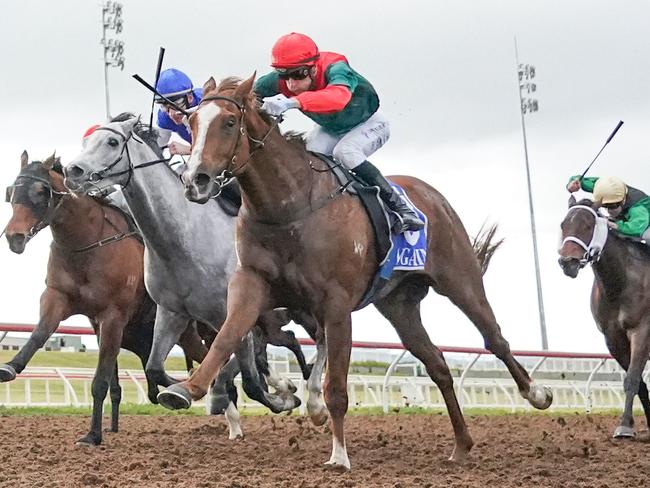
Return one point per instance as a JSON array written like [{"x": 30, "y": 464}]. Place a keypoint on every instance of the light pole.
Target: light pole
[
  {"x": 527, "y": 105},
  {"x": 113, "y": 48}
]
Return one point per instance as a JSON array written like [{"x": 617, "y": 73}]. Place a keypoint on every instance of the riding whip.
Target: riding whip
[
  {"x": 611, "y": 136},
  {"x": 161, "y": 55},
  {"x": 156, "y": 92}
]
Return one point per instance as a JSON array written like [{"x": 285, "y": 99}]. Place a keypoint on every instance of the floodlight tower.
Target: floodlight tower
[{"x": 113, "y": 47}]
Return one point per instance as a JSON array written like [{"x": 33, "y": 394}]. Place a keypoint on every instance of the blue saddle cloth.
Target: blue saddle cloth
[{"x": 408, "y": 251}]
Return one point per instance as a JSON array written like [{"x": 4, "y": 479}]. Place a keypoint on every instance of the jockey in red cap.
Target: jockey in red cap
[{"x": 344, "y": 105}]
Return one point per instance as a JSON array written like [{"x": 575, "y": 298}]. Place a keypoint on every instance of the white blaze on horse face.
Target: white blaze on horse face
[{"x": 205, "y": 116}]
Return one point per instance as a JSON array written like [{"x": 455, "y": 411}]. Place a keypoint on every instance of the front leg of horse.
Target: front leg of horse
[
  {"x": 248, "y": 295},
  {"x": 109, "y": 346},
  {"x": 339, "y": 345},
  {"x": 639, "y": 349},
  {"x": 54, "y": 308},
  {"x": 167, "y": 330}
]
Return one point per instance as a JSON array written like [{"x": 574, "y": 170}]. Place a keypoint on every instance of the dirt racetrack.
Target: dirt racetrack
[{"x": 386, "y": 451}]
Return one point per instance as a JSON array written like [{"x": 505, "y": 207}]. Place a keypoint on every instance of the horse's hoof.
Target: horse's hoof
[
  {"x": 643, "y": 436},
  {"x": 317, "y": 413},
  {"x": 337, "y": 466},
  {"x": 540, "y": 397},
  {"x": 110, "y": 430},
  {"x": 89, "y": 440},
  {"x": 175, "y": 398},
  {"x": 624, "y": 432},
  {"x": 7, "y": 373}
]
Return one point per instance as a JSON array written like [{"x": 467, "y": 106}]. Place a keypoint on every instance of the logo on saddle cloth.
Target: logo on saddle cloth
[{"x": 409, "y": 251}]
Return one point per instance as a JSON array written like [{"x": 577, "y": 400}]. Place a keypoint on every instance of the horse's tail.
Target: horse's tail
[{"x": 484, "y": 249}]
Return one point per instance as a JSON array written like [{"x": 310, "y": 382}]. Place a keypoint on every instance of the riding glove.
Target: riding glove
[{"x": 278, "y": 104}]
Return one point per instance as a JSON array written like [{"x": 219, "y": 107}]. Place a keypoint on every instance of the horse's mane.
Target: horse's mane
[{"x": 148, "y": 134}]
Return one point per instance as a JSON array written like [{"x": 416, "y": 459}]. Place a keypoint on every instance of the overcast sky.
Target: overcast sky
[{"x": 445, "y": 73}]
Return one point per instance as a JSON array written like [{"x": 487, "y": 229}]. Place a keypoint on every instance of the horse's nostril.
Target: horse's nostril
[
  {"x": 74, "y": 171},
  {"x": 201, "y": 180}
]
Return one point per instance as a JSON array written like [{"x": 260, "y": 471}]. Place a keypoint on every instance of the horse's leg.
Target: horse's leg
[
  {"x": 639, "y": 349},
  {"x": 167, "y": 329},
  {"x": 402, "y": 309},
  {"x": 248, "y": 295},
  {"x": 111, "y": 327},
  {"x": 116, "y": 399},
  {"x": 55, "y": 307},
  {"x": 192, "y": 345},
  {"x": 253, "y": 383},
  {"x": 338, "y": 336},
  {"x": 469, "y": 295},
  {"x": 223, "y": 398},
  {"x": 315, "y": 406},
  {"x": 272, "y": 326}
]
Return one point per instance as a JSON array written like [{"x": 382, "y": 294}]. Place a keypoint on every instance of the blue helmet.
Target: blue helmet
[{"x": 173, "y": 83}]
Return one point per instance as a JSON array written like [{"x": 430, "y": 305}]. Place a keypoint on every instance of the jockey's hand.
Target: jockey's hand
[
  {"x": 573, "y": 186},
  {"x": 178, "y": 148},
  {"x": 279, "y": 104},
  {"x": 612, "y": 225}
]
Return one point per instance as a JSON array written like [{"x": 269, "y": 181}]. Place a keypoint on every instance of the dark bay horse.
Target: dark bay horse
[
  {"x": 620, "y": 295},
  {"x": 103, "y": 282},
  {"x": 304, "y": 244}
]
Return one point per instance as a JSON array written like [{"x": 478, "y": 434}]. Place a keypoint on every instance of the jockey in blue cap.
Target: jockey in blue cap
[{"x": 177, "y": 87}]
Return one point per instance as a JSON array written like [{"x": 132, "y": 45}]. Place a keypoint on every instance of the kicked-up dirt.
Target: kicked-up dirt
[{"x": 394, "y": 451}]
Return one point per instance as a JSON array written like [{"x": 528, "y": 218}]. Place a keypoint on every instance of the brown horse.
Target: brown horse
[
  {"x": 306, "y": 245},
  {"x": 95, "y": 269},
  {"x": 619, "y": 296}
]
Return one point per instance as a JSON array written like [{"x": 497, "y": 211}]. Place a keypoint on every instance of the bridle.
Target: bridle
[
  {"x": 52, "y": 204},
  {"x": 232, "y": 170},
  {"x": 103, "y": 173},
  {"x": 594, "y": 249}
]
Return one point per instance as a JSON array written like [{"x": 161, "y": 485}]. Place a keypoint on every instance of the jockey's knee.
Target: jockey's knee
[{"x": 348, "y": 155}]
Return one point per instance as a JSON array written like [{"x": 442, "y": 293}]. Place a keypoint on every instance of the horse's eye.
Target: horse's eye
[
  {"x": 230, "y": 123},
  {"x": 113, "y": 142}
]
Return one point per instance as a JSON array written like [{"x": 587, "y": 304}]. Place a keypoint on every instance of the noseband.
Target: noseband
[{"x": 599, "y": 235}]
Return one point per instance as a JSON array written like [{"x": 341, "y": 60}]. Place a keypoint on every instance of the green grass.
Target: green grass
[
  {"x": 134, "y": 409},
  {"x": 88, "y": 359}
]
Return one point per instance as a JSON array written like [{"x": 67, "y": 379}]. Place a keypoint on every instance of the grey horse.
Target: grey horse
[{"x": 186, "y": 275}]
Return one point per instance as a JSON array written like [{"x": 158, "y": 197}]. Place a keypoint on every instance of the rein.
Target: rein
[{"x": 599, "y": 235}]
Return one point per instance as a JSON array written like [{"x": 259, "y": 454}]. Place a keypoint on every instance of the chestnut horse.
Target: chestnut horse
[
  {"x": 95, "y": 269},
  {"x": 619, "y": 295},
  {"x": 305, "y": 244}
]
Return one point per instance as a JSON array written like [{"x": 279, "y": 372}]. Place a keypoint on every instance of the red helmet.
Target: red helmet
[
  {"x": 90, "y": 130},
  {"x": 293, "y": 50}
]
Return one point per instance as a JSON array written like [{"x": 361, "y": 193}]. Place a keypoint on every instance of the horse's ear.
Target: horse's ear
[
  {"x": 209, "y": 85},
  {"x": 572, "y": 201},
  {"x": 24, "y": 159},
  {"x": 245, "y": 87},
  {"x": 48, "y": 164}
]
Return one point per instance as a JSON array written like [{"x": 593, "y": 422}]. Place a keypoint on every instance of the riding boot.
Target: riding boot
[{"x": 371, "y": 176}]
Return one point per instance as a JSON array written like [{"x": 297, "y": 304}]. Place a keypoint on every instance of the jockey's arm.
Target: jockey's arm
[
  {"x": 638, "y": 220},
  {"x": 586, "y": 184},
  {"x": 341, "y": 83}
]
